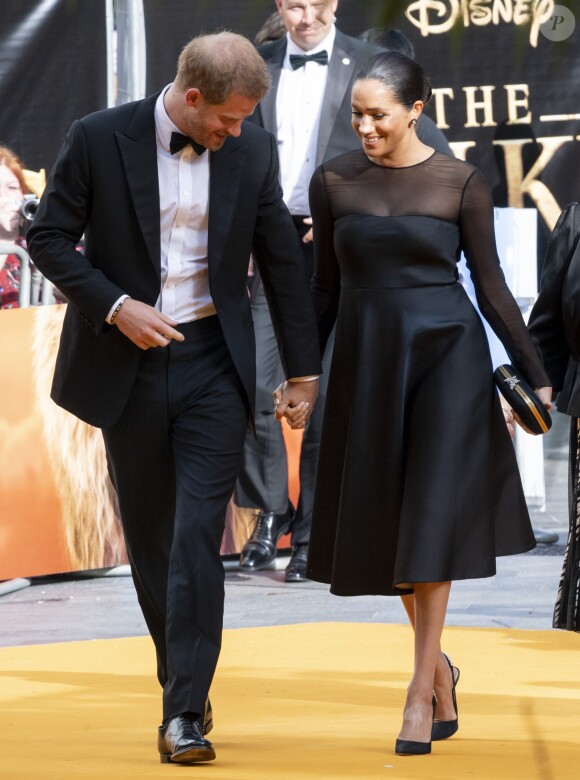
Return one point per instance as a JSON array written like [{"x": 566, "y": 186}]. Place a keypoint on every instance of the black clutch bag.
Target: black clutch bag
[{"x": 522, "y": 399}]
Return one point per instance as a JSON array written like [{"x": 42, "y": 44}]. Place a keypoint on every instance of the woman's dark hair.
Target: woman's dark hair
[{"x": 405, "y": 77}]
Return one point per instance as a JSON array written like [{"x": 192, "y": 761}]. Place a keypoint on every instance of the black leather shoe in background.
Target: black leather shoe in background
[
  {"x": 296, "y": 569},
  {"x": 181, "y": 741},
  {"x": 260, "y": 549}
]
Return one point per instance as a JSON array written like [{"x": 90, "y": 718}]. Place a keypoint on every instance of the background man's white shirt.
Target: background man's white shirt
[{"x": 298, "y": 108}]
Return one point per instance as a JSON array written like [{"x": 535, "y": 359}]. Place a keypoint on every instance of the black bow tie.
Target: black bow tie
[
  {"x": 299, "y": 60},
  {"x": 180, "y": 141}
]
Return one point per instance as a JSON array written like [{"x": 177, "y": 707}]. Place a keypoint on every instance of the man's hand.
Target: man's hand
[
  {"x": 295, "y": 401},
  {"x": 145, "y": 326},
  {"x": 307, "y": 237}
]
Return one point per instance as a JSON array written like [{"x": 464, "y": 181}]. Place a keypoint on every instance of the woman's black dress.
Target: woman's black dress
[{"x": 417, "y": 477}]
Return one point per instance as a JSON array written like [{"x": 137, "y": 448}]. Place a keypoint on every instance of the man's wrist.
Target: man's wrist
[
  {"x": 115, "y": 308},
  {"x": 311, "y": 378}
]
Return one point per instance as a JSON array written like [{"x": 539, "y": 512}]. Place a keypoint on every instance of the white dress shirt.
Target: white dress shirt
[
  {"x": 184, "y": 210},
  {"x": 298, "y": 110},
  {"x": 184, "y": 201}
]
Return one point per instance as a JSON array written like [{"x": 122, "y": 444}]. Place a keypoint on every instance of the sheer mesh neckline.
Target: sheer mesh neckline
[
  {"x": 402, "y": 167},
  {"x": 433, "y": 187}
]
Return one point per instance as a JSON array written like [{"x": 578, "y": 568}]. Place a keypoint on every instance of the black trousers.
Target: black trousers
[
  {"x": 263, "y": 479},
  {"x": 173, "y": 457}
]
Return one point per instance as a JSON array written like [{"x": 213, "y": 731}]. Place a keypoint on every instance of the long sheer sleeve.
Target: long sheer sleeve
[
  {"x": 326, "y": 280},
  {"x": 494, "y": 298}
]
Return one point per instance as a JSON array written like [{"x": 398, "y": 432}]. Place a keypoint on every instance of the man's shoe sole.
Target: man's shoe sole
[{"x": 193, "y": 756}]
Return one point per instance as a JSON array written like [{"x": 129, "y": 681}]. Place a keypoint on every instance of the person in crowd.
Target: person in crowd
[
  {"x": 172, "y": 193},
  {"x": 312, "y": 65},
  {"x": 554, "y": 324},
  {"x": 417, "y": 480},
  {"x": 390, "y": 39},
  {"x": 272, "y": 30},
  {"x": 13, "y": 187},
  {"x": 321, "y": 87}
]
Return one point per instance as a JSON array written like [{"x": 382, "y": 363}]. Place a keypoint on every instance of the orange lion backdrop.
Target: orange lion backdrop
[{"x": 58, "y": 511}]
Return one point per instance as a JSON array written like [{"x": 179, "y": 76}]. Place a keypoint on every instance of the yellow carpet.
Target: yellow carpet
[{"x": 305, "y": 701}]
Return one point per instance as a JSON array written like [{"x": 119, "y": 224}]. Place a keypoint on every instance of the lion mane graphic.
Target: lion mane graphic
[{"x": 90, "y": 513}]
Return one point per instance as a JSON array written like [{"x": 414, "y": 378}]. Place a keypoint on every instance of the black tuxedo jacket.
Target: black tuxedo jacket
[
  {"x": 336, "y": 135},
  {"x": 104, "y": 185}
]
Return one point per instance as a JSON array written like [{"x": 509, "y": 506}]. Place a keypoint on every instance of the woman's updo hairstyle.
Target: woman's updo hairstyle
[{"x": 405, "y": 77}]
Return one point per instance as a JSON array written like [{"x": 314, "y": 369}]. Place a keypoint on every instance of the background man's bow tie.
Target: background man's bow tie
[
  {"x": 180, "y": 141},
  {"x": 298, "y": 60}
]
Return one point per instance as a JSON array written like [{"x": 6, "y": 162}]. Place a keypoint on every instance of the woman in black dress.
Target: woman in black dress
[
  {"x": 417, "y": 480},
  {"x": 555, "y": 326}
]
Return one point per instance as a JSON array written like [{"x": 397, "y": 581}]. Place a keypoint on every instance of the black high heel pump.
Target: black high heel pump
[
  {"x": 443, "y": 729},
  {"x": 408, "y": 747}
]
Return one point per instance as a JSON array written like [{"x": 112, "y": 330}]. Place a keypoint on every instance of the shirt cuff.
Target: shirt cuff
[
  {"x": 304, "y": 378},
  {"x": 113, "y": 308}
]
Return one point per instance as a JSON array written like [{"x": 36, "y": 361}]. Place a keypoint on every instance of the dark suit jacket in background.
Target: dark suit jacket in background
[
  {"x": 555, "y": 319},
  {"x": 105, "y": 184}
]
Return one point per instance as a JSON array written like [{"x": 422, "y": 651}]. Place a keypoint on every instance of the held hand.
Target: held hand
[
  {"x": 145, "y": 326},
  {"x": 307, "y": 237},
  {"x": 545, "y": 396},
  {"x": 295, "y": 401},
  {"x": 277, "y": 394},
  {"x": 297, "y": 416}
]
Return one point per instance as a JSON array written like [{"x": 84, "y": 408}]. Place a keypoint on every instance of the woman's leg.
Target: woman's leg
[
  {"x": 443, "y": 684},
  {"x": 430, "y": 608}
]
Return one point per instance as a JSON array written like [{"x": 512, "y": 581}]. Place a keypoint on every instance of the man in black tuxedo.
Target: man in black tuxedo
[
  {"x": 309, "y": 111},
  {"x": 173, "y": 193}
]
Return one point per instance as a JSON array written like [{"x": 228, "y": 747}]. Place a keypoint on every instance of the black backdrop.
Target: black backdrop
[{"x": 52, "y": 69}]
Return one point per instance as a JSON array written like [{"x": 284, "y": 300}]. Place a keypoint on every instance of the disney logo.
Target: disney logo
[{"x": 439, "y": 16}]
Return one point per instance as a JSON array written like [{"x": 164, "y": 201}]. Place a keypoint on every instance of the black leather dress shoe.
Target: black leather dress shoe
[
  {"x": 296, "y": 569},
  {"x": 260, "y": 549},
  {"x": 181, "y": 741}
]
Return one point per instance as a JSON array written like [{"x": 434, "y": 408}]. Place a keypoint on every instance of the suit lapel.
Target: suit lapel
[
  {"x": 274, "y": 59},
  {"x": 139, "y": 154},
  {"x": 226, "y": 167},
  {"x": 340, "y": 72}
]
